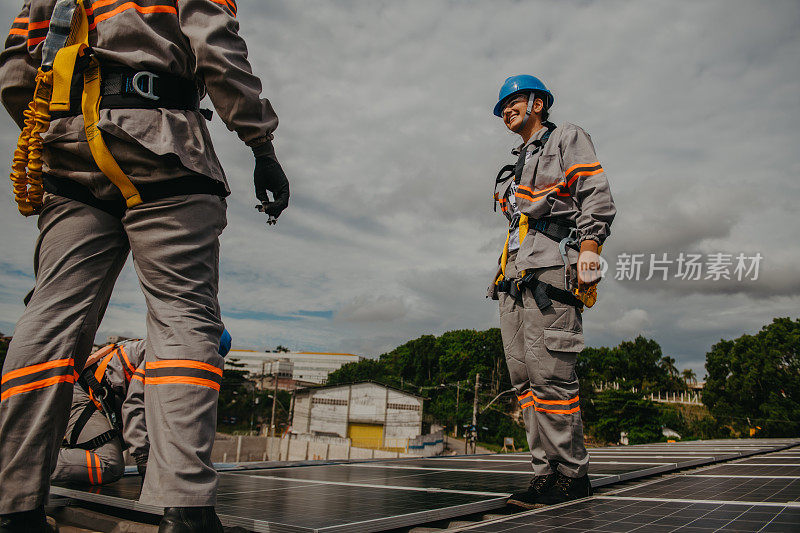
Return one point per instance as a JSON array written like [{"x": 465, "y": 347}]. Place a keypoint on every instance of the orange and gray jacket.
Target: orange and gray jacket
[
  {"x": 122, "y": 371},
  {"x": 196, "y": 40},
  {"x": 564, "y": 182}
]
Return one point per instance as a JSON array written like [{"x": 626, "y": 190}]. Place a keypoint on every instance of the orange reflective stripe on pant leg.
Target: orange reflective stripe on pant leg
[
  {"x": 524, "y": 404},
  {"x": 89, "y": 466},
  {"x": 13, "y": 391},
  {"x": 559, "y": 412},
  {"x": 36, "y": 368},
  {"x": 99, "y": 469},
  {"x": 185, "y": 380},
  {"x": 556, "y": 402},
  {"x": 183, "y": 363}
]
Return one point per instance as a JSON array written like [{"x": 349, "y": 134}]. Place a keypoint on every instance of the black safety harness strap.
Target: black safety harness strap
[
  {"x": 543, "y": 293},
  {"x": 516, "y": 169},
  {"x": 149, "y": 192},
  {"x": 100, "y": 393},
  {"x": 125, "y": 88}
]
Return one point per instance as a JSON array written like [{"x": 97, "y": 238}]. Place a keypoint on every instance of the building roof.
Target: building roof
[{"x": 370, "y": 381}]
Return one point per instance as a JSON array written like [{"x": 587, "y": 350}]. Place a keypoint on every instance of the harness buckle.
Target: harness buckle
[
  {"x": 145, "y": 90},
  {"x": 571, "y": 239}
]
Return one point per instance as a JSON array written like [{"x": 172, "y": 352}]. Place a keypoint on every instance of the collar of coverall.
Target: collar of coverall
[{"x": 536, "y": 136}]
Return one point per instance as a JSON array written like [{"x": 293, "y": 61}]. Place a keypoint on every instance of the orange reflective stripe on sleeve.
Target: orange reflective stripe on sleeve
[
  {"x": 130, "y": 5},
  {"x": 185, "y": 380},
  {"x": 38, "y": 25},
  {"x": 230, "y": 4},
  {"x": 18, "y": 31},
  {"x": 99, "y": 469}
]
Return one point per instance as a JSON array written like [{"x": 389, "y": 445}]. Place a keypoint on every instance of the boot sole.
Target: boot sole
[{"x": 525, "y": 505}]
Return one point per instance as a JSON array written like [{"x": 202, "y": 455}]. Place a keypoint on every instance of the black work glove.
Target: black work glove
[{"x": 269, "y": 177}]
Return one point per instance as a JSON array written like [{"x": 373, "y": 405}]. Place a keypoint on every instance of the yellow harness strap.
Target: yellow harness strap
[
  {"x": 90, "y": 104},
  {"x": 503, "y": 261},
  {"x": 64, "y": 67},
  {"x": 52, "y": 94}
]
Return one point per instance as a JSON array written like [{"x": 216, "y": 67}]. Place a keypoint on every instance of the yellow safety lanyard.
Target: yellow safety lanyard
[{"x": 53, "y": 94}]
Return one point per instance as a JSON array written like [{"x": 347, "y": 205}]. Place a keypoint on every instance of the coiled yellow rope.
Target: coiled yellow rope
[{"x": 26, "y": 169}]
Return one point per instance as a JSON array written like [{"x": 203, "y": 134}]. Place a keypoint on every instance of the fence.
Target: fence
[
  {"x": 687, "y": 398},
  {"x": 231, "y": 448}
]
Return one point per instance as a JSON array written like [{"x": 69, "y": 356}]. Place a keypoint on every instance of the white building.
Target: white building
[
  {"x": 371, "y": 415},
  {"x": 312, "y": 367}
]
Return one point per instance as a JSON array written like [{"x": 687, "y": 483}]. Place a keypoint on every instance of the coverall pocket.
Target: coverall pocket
[
  {"x": 562, "y": 348},
  {"x": 559, "y": 340},
  {"x": 548, "y": 172}
]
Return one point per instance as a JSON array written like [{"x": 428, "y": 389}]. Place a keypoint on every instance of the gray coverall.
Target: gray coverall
[
  {"x": 123, "y": 371},
  {"x": 564, "y": 181},
  {"x": 175, "y": 244}
]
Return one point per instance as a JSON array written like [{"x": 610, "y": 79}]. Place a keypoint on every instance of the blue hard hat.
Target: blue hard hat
[
  {"x": 225, "y": 343},
  {"x": 518, "y": 84}
]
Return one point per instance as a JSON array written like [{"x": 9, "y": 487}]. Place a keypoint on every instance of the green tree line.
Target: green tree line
[{"x": 753, "y": 382}]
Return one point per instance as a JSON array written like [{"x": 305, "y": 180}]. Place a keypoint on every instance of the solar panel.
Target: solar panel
[
  {"x": 615, "y": 515},
  {"x": 705, "y": 500},
  {"x": 379, "y": 495}
]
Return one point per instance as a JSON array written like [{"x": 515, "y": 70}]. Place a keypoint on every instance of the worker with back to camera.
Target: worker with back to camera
[
  {"x": 115, "y": 157},
  {"x": 558, "y": 204},
  {"x": 108, "y": 415}
]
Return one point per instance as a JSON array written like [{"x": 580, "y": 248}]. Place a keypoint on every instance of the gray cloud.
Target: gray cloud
[
  {"x": 372, "y": 309},
  {"x": 387, "y": 136}
]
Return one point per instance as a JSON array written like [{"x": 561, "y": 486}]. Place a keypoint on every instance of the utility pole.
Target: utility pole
[
  {"x": 475, "y": 402},
  {"x": 274, "y": 403},
  {"x": 471, "y": 437},
  {"x": 458, "y": 391}
]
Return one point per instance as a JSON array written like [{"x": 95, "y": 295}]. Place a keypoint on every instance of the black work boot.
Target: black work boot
[
  {"x": 190, "y": 520},
  {"x": 567, "y": 488},
  {"x": 529, "y": 498},
  {"x": 34, "y": 521}
]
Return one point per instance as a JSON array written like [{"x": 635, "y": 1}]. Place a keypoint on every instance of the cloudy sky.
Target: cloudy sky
[{"x": 388, "y": 139}]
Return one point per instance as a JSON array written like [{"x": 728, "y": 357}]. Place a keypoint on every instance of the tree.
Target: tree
[
  {"x": 619, "y": 411},
  {"x": 754, "y": 380},
  {"x": 689, "y": 377}
]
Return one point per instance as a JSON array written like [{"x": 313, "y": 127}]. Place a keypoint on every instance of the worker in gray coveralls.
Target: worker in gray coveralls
[
  {"x": 558, "y": 204},
  {"x": 128, "y": 167},
  {"x": 108, "y": 415}
]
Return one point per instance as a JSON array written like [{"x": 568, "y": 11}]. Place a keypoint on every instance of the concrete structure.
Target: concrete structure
[
  {"x": 311, "y": 367},
  {"x": 371, "y": 415}
]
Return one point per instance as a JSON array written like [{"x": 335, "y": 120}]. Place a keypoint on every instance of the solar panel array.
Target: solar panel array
[
  {"x": 380, "y": 495},
  {"x": 716, "y": 498}
]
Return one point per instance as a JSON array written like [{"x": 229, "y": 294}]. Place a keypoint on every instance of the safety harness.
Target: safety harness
[
  {"x": 101, "y": 395},
  {"x": 70, "y": 82},
  {"x": 564, "y": 234}
]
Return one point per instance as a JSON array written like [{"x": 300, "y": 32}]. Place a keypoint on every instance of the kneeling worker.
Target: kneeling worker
[
  {"x": 107, "y": 415},
  {"x": 558, "y": 204}
]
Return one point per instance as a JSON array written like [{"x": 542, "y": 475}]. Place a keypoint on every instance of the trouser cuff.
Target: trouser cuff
[{"x": 20, "y": 505}]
